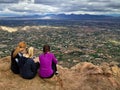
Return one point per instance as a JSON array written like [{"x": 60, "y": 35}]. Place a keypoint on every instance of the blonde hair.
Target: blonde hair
[
  {"x": 30, "y": 52},
  {"x": 18, "y": 48}
]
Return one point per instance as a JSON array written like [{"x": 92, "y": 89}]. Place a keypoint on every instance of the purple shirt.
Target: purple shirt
[{"x": 46, "y": 60}]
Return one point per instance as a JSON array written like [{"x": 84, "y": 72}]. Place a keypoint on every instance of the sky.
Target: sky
[{"x": 42, "y": 7}]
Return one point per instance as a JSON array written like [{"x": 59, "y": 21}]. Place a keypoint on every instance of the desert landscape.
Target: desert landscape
[
  {"x": 72, "y": 42},
  {"x": 88, "y": 55}
]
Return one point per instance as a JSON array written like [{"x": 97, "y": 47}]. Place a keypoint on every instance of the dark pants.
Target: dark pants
[
  {"x": 37, "y": 65},
  {"x": 54, "y": 67}
]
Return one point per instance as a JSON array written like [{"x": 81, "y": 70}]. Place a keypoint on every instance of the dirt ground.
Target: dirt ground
[{"x": 83, "y": 76}]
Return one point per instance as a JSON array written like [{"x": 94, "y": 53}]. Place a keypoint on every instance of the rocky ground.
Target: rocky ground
[{"x": 83, "y": 76}]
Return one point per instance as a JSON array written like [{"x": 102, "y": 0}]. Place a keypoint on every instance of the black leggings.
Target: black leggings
[
  {"x": 37, "y": 65},
  {"x": 54, "y": 67}
]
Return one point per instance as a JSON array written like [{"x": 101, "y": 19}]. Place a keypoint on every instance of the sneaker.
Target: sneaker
[{"x": 56, "y": 72}]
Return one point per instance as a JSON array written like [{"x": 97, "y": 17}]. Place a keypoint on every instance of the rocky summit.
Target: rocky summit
[{"x": 82, "y": 76}]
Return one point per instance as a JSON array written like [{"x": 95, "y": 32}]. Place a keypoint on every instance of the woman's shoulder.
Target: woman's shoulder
[
  {"x": 20, "y": 54},
  {"x": 50, "y": 53},
  {"x": 41, "y": 54},
  {"x": 29, "y": 60}
]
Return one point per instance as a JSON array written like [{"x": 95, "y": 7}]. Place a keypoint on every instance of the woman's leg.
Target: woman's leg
[
  {"x": 37, "y": 64},
  {"x": 54, "y": 67}
]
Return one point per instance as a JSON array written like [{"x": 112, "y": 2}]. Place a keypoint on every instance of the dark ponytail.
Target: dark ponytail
[{"x": 46, "y": 48}]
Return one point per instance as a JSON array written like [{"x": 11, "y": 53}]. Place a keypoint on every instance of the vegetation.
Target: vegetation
[{"x": 71, "y": 43}]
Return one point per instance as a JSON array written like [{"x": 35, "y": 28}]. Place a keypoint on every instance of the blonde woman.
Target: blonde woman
[
  {"x": 30, "y": 54},
  {"x": 16, "y": 56},
  {"x": 28, "y": 70}
]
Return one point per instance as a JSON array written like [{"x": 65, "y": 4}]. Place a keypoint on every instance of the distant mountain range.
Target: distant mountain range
[{"x": 60, "y": 17}]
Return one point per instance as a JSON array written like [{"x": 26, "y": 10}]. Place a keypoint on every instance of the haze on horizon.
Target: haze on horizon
[{"x": 42, "y": 7}]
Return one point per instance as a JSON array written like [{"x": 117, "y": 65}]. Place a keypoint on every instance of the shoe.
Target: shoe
[{"x": 56, "y": 72}]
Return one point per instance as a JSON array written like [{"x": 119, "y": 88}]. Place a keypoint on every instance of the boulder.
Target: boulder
[{"x": 83, "y": 76}]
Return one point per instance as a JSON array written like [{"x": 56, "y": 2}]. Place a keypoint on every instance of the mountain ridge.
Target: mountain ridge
[{"x": 61, "y": 17}]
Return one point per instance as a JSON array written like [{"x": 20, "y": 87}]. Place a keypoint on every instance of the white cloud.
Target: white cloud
[
  {"x": 46, "y": 17},
  {"x": 26, "y": 1},
  {"x": 60, "y": 6},
  {"x": 27, "y": 8}
]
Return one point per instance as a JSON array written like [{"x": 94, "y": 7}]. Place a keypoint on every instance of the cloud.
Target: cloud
[
  {"x": 23, "y": 8},
  {"x": 60, "y": 6},
  {"x": 46, "y": 17},
  {"x": 84, "y": 6},
  {"x": 8, "y": 1}
]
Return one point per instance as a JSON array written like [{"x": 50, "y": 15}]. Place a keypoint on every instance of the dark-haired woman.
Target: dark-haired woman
[{"x": 47, "y": 63}]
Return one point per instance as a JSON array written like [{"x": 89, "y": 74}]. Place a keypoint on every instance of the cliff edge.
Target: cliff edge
[{"x": 83, "y": 76}]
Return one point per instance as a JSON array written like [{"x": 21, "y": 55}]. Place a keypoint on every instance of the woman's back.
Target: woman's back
[
  {"x": 14, "y": 63},
  {"x": 46, "y": 63},
  {"x": 29, "y": 69}
]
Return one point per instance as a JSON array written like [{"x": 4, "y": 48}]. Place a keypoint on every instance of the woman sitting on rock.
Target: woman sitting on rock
[
  {"x": 16, "y": 56},
  {"x": 28, "y": 65},
  {"x": 47, "y": 63}
]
